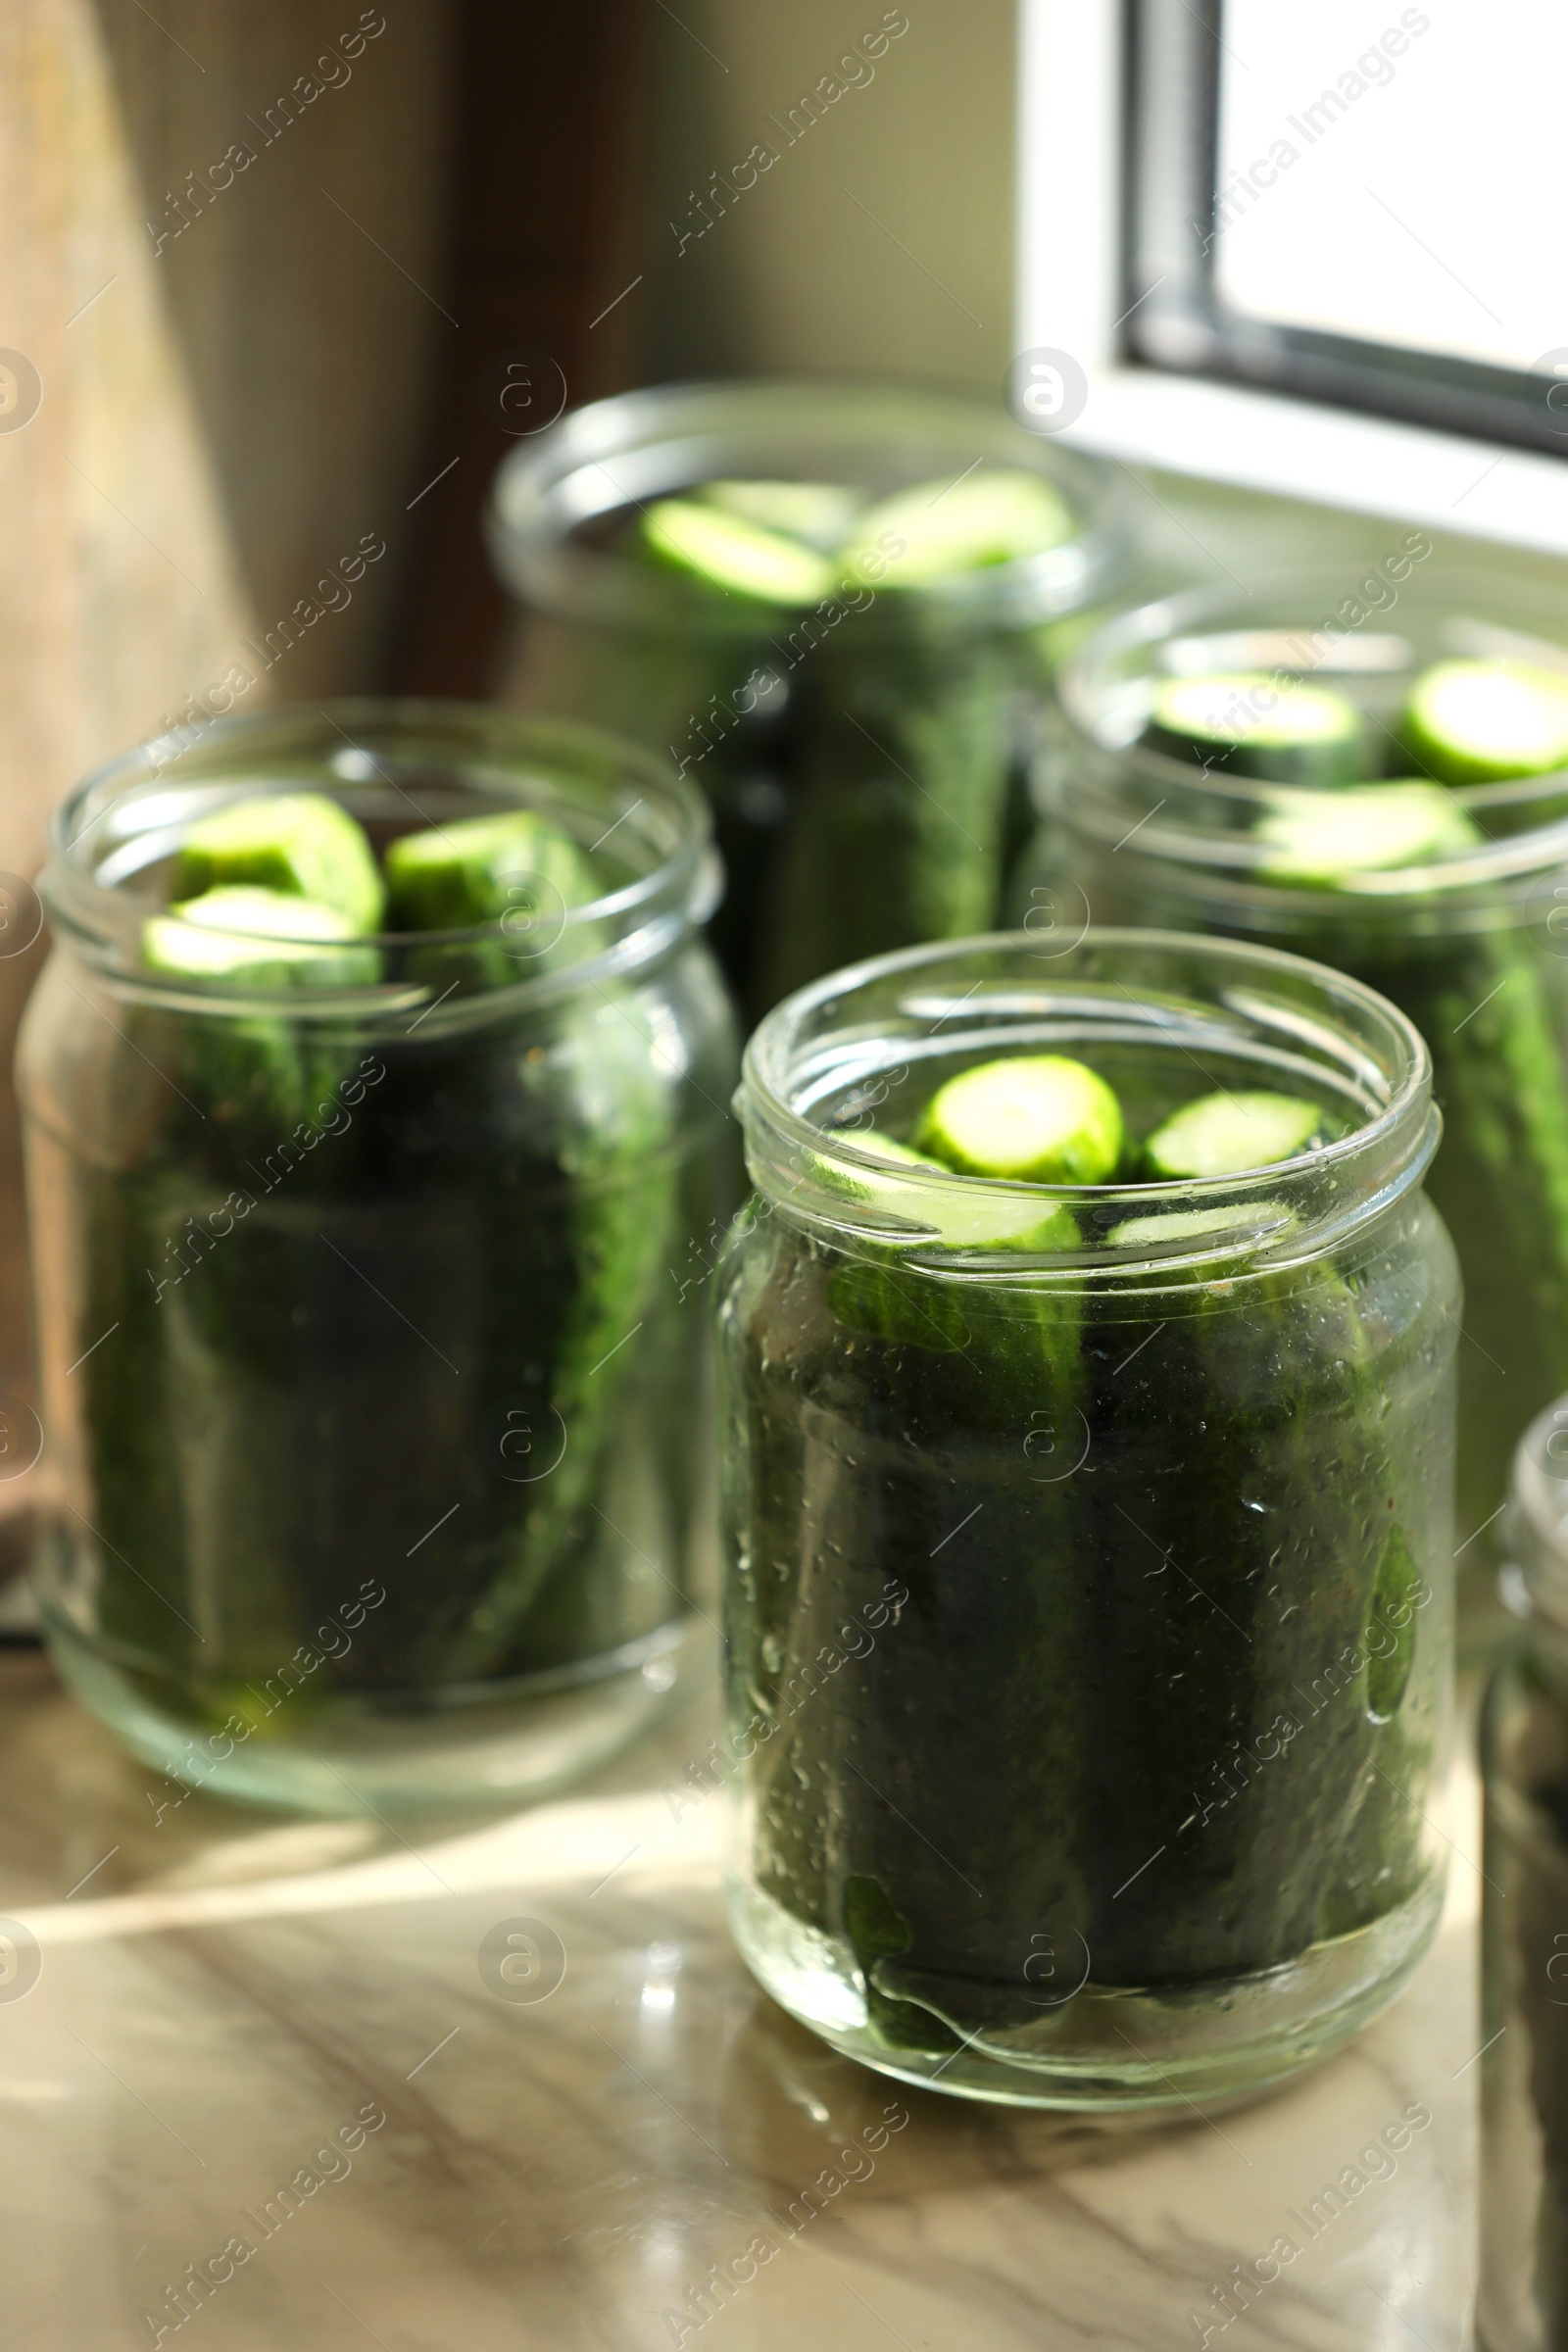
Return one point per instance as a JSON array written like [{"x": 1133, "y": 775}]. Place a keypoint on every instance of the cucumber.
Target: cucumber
[
  {"x": 455, "y": 877},
  {"x": 1480, "y": 722},
  {"x": 1184, "y": 1224},
  {"x": 1317, "y": 837},
  {"x": 1245, "y": 720},
  {"x": 980, "y": 1221},
  {"x": 951, "y": 528},
  {"x": 1036, "y": 1118},
  {"x": 256, "y": 1069},
  {"x": 259, "y": 939},
  {"x": 739, "y": 557},
  {"x": 821, "y": 513},
  {"x": 1225, "y": 1135},
  {"x": 299, "y": 843}
]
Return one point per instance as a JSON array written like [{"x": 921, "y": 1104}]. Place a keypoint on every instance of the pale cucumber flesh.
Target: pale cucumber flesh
[
  {"x": 1250, "y": 724},
  {"x": 1037, "y": 1119},
  {"x": 1229, "y": 1134},
  {"x": 1481, "y": 722}
]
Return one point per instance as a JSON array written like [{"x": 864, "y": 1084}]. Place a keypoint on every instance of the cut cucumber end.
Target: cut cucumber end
[
  {"x": 301, "y": 843},
  {"x": 1228, "y": 1135},
  {"x": 979, "y": 1219},
  {"x": 1036, "y": 1118},
  {"x": 1197, "y": 1224},
  {"x": 485, "y": 869},
  {"x": 1252, "y": 726},
  {"x": 1316, "y": 838},
  {"x": 1481, "y": 722},
  {"x": 731, "y": 554},
  {"x": 948, "y": 527},
  {"x": 821, "y": 513},
  {"x": 263, "y": 939}
]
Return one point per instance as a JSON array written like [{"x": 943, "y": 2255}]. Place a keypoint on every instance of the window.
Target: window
[{"x": 1354, "y": 203}]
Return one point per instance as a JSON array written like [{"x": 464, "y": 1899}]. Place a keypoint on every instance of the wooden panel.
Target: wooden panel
[
  {"x": 233, "y": 383},
  {"x": 547, "y": 269}
]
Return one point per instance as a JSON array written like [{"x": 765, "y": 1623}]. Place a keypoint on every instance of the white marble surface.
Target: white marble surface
[{"x": 225, "y": 1999}]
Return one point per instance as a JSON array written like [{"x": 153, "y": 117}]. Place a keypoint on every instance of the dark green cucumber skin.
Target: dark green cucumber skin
[
  {"x": 1492, "y": 1007},
  {"x": 388, "y": 1330},
  {"x": 1081, "y": 1659},
  {"x": 882, "y": 803}
]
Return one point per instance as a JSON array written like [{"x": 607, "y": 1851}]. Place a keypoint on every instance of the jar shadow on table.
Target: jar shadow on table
[{"x": 78, "y": 1803}]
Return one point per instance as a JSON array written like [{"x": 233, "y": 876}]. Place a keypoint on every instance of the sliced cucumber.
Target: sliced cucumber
[
  {"x": 485, "y": 869},
  {"x": 1245, "y": 721},
  {"x": 1480, "y": 722},
  {"x": 1036, "y": 1118},
  {"x": 297, "y": 841},
  {"x": 734, "y": 554},
  {"x": 1193, "y": 1224},
  {"x": 262, "y": 938},
  {"x": 821, "y": 513},
  {"x": 981, "y": 1219},
  {"x": 880, "y": 1146},
  {"x": 1318, "y": 838},
  {"x": 949, "y": 527},
  {"x": 1225, "y": 1135}
]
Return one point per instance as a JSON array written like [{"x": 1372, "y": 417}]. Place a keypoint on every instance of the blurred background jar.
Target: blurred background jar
[
  {"x": 844, "y": 647},
  {"x": 1362, "y": 849},
  {"x": 365, "y": 1287},
  {"x": 1524, "y": 2154}
]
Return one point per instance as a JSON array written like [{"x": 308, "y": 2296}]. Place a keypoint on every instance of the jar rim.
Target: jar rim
[
  {"x": 347, "y": 741},
  {"x": 838, "y": 1028},
  {"x": 1108, "y": 779},
  {"x": 665, "y": 438}
]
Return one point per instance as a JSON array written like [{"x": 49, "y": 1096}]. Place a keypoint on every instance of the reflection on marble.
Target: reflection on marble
[{"x": 228, "y": 2003}]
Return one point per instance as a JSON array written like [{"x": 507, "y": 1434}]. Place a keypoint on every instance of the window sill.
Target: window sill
[{"x": 1297, "y": 449}]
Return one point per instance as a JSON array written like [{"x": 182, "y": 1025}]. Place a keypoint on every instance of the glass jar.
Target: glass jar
[
  {"x": 367, "y": 1365},
  {"x": 1088, "y": 1613},
  {"x": 861, "y": 755},
  {"x": 1473, "y": 945},
  {"x": 1524, "y": 2034}
]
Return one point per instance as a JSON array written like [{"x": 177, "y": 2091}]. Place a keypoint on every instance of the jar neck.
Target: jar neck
[
  {"x": 1156, "y": 829},
  {"x": 1142, "y": 833},
  {"x": 662, "y": 442},
  {"x": 388, "y": 762},
  {"x": 825, "y": 1063}
]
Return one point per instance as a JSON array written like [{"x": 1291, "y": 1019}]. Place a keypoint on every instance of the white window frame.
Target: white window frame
[{"x": 1069, "y": 297}]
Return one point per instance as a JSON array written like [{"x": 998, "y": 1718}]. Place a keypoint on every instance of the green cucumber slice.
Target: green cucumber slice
[
  {"x": 484, "y": 868},
  {"x": 1037, "y": 1119},
  {"x": 821, "y": 513},
  {"x": 297, "y": 841},
  {"x": 262, "y": 938},
  {"x": 1193, "y": 1224},
  {"x": 1318, "y": 838},
  {"x": 980, "y": 1221},
  {"x": 1242, "y": 720},
  {"x": 1225, "y": 1135},
  {"x": 734, "y": 554},
  {"x": 951, "y": 528},
  {"x": 1480, "y": 722}
]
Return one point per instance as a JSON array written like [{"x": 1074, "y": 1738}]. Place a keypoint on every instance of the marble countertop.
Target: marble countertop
[{"x": 230, "y": 2006}]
